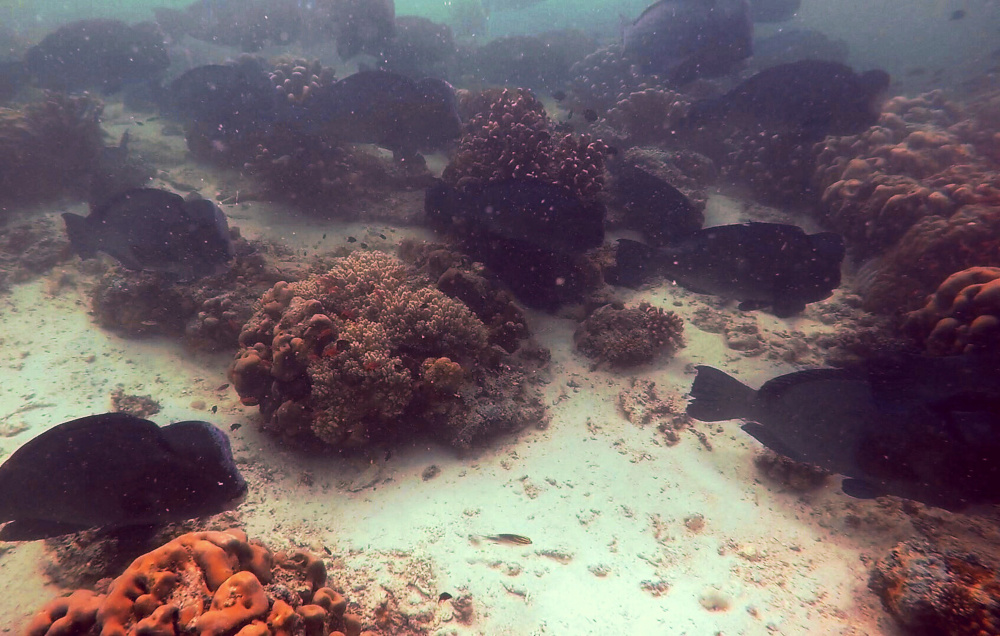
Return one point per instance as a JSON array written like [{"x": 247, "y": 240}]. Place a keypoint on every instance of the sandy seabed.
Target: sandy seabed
[{"x": 630, "y": 533}]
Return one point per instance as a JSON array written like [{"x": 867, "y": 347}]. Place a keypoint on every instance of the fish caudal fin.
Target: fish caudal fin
[
  {"x": 718, "y": 396},
  {"x": 83, "y": 240}
]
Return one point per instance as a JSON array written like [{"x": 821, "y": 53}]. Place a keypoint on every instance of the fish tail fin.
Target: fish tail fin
[
  {"x": 81, "y": 237},
  {"x": 718, "y": 396}
]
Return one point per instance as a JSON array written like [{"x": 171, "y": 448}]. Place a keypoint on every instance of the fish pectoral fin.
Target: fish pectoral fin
[
  {"x": 35, "y": 529},
  {"x": 760, "y": 433},
  {"x": 859, "y": 489},
  {"x": 784, "y": 307}
]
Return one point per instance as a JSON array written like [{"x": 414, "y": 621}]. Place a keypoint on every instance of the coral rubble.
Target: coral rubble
[
  {"x": 625, "y": 337},
  {"x": 207, "y": 583}
]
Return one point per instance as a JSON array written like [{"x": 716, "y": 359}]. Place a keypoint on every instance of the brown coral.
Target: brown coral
[
  {"x": 962, "y": 316},
  {"x": 340, "y": 354},
  {"x": 626, "y": 337},
  {"x": 212, "y": 583},
  {"x": 514, "y": 138},
  {"x": 937, "y": 592}
]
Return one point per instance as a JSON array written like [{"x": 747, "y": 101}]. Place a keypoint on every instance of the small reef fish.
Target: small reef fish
[
  {"x": 813, "y": 98},
  {"x": 506, "y": 539},
  {"x": 942, "y": 450},
  {"x": 687, "y": 39},
  {"x": 116, "y": 470},
  {"x": 155, "y": 230},
  {"x": 759, "y": 264}
]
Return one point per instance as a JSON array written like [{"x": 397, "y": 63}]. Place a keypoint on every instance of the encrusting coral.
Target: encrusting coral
[
  {"x": 962, "y": 316},
  {"x": 626, "y": 337},
  {"x": 938, "y": 592},
  {"x": 211, "y": 583},
  {"x": 367, "y": 352}
]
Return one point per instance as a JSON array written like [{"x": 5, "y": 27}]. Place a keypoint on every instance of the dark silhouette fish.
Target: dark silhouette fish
[
  {"x": 813, "y": 98},
  {"x": 101, "y": 54},
  {"x": 155, "y": 230},
  {"x": 686, "y": 39},
  {"x": 523, "y": 211},
  {"x": 362, "y": 26},
  {"x": 942, "y": 451},
  {"x": 225, "y": 99},
  {"x": 386, "y": 109},
  {"x": 773, "y": 10},
  {"x": 661, "y": 212},
  {"x": 957, "y": 14},
  {"x": 759, "y": 264},
  {"x": 116, "y": 470}
]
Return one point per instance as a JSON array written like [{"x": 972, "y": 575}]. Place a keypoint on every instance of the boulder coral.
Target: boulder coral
[
  {"x": 914, "y": 163},
  {"x": 938, "y": 592},
  {"x": 931, "y": 251},
  {"x": 364, "y": 352},
  {"x": 962, "y": 316},
  {"x": 210, "y": 583}
]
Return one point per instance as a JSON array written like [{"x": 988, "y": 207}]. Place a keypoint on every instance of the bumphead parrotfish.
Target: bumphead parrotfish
[
  {"x": 116, "y": 470},
  {"x": 759, "y": 264},
  {"x": 942, "y": 450},
  {"x": 155, "y": 230}
]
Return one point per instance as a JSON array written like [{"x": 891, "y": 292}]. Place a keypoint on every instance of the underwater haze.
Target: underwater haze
[{"x": 500, "y": 317}]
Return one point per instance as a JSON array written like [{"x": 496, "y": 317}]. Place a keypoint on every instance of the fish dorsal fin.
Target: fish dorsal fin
[{"x": 775, "y": 388}]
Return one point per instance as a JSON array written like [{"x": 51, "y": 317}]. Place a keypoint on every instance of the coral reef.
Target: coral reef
[
  {"x": 514, "y": 138},
  {"x": 913, "y": 164},
  {"x": 419, "y": 48},
  {"x": 938, "y": 592},
  {"x": 797, "y": 476},
  {"x": 625, "y": 337},
  {"x": 30, "y": 248},
  {"x": 207, "y": 313},
  {"x": 49, "y": 148},
  {"x": 210, "y": 583},
  {"x": 297, "y": 78},
  {"x": 606, "y": 77},
  {"x": 342, "y": 357},
  {"x": 647, "y": 116},
  {"x": 777, "y": 167},
  {"x": 962, "y": 316},
  {"x": 530, "y": 61},
  {"x": 930, "y": 251}
]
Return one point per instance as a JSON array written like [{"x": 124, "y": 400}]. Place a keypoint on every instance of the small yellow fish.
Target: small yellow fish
[{"x": 508, "y": 539}]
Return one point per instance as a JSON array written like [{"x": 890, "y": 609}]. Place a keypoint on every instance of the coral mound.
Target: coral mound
[
  {"x": 625, "y": 337},
  {"x": 962, "y": 316},
  {"x": 935, "y": 592},
  {"x": 366, "y": 352},
  {"x": 209, "y": 583}
]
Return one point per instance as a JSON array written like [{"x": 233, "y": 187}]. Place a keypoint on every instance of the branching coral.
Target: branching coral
[
  {"x": 210, "y": 583},
  {"x": 49, "y": 148},
  {"x": 938, "y": 592},
  {"x": 626, "y": 337},
  {"x": 513, "y": 138},
  {"x": 962, "y": 316},
  {"x": 343, "y": 355}
]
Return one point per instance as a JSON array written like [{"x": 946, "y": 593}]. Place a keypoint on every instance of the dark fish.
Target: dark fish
[
  {"x": 225, "y": 99},
  {"x": 773, "y": 10},
  {"x": 524, "y": 211},
  {"x": 444, "y": 596},
  {"x": 418, "y": 47},
  {"x": 942, "y": 452},
  {"x": 958, "y": 14},
  {"x": 155, "y": 230},
  {"x": 813, "y": 98},
  {"x": 661, "y": 212},
  {"x": 116, "y": 470},
  {"x": 686, "y": 39},
  {"x": 386, "y": 109},
  {"x": 559, "y": 95},
  {"x": 590, "y": 115},
  {"x": 363, "y": 26},
  {"x": 103, "y": 54},
  {"x": 758, "y": 264},
  {"x": 508, "y": 539}
]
